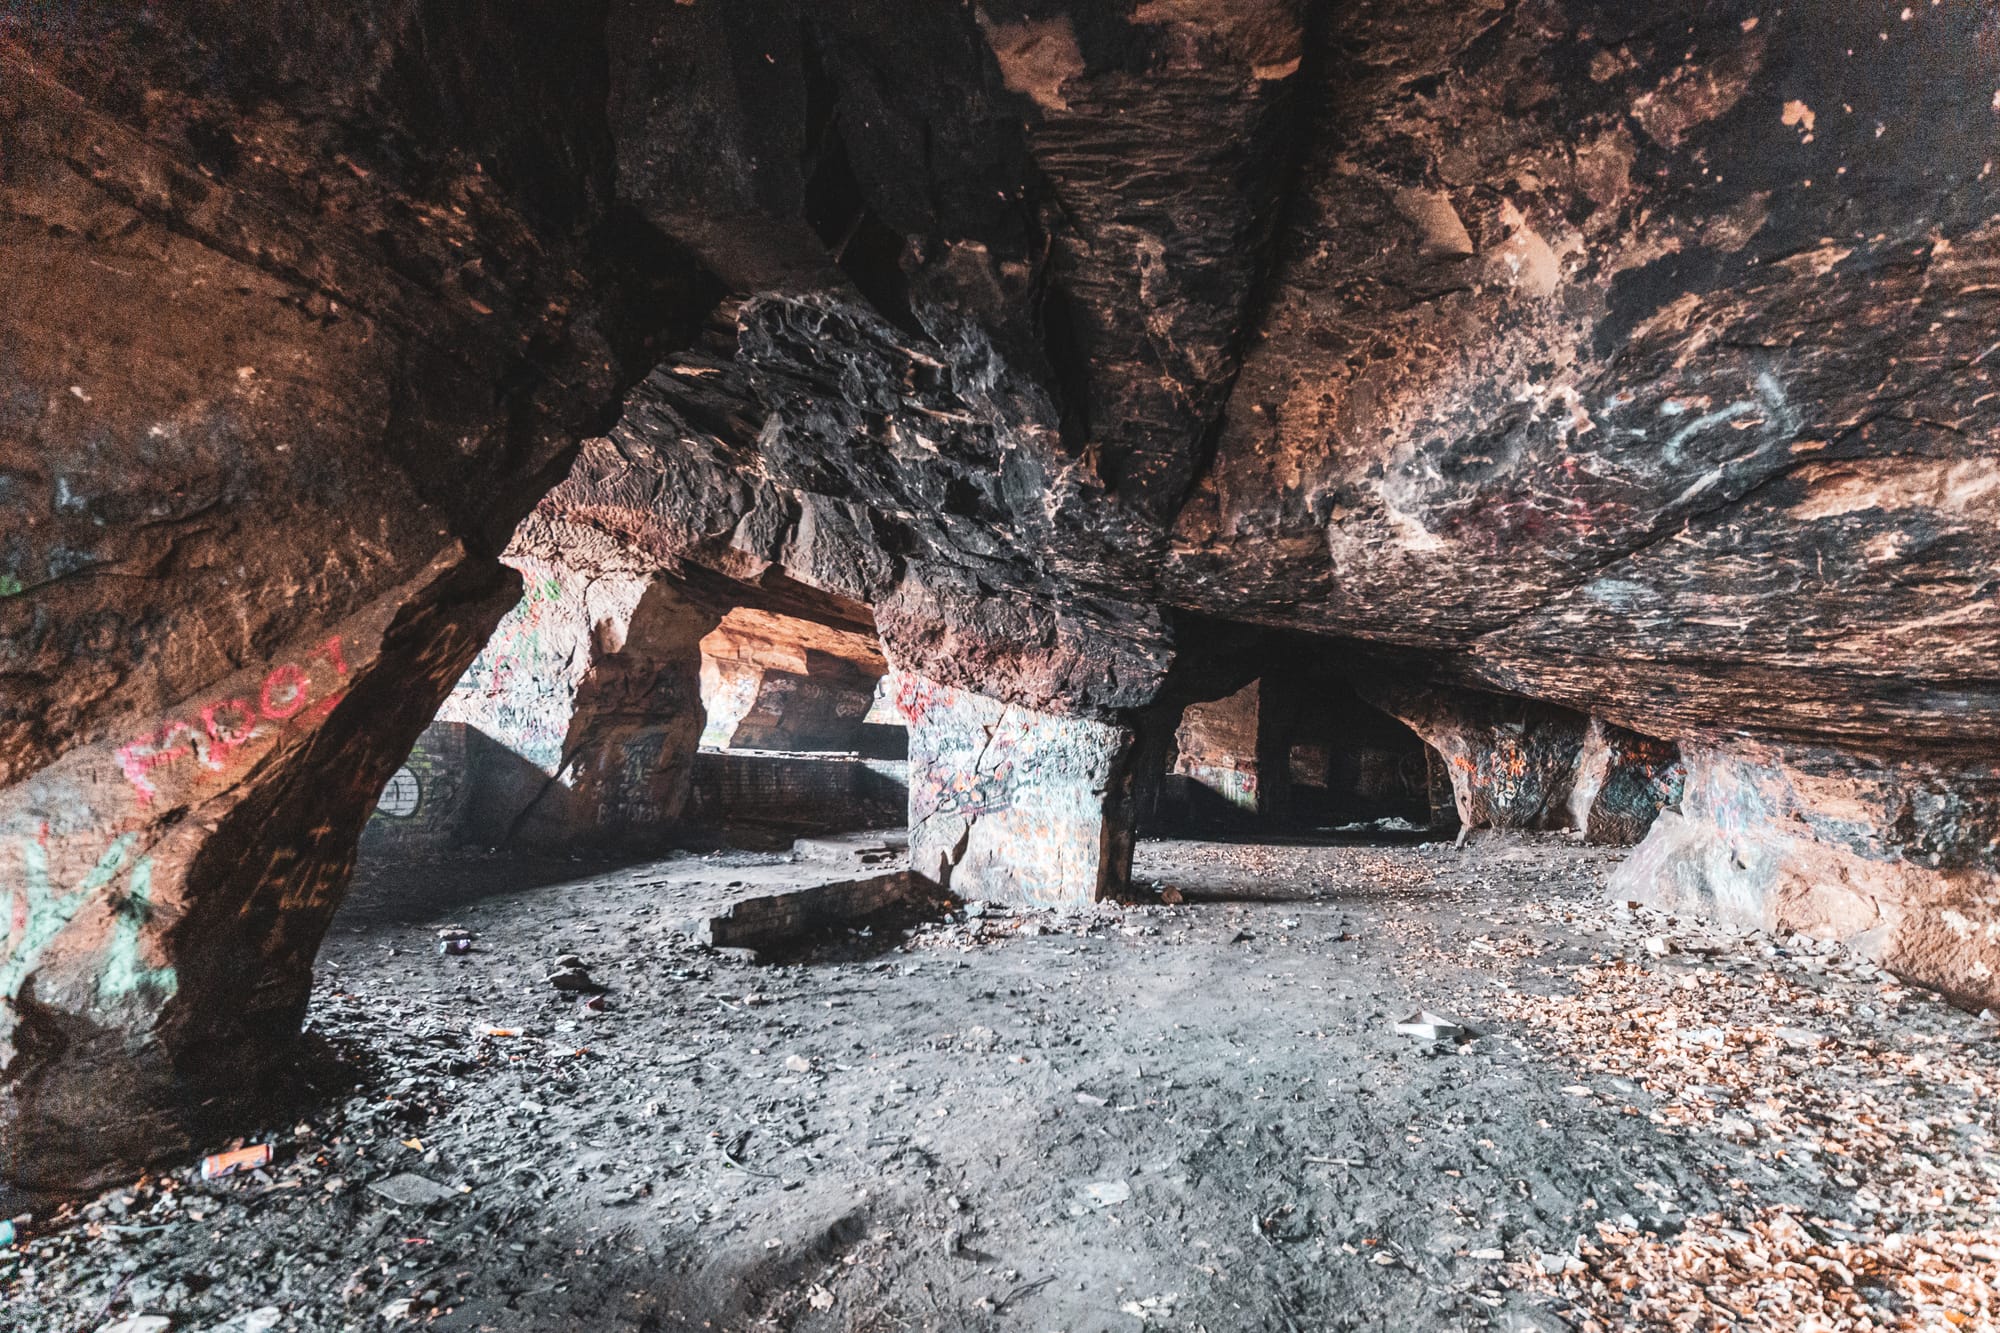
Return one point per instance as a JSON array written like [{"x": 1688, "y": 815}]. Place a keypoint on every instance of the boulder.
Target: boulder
[{"x": 1900, "y": 862}]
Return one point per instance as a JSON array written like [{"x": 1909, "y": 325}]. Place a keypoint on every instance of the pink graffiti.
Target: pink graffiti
[
  {"x": 915, "y": 697},
  {"x": 229, "y": 724}
]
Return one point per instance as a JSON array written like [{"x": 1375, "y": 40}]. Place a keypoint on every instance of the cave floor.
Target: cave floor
[{"x": 1141, "y": 1116}]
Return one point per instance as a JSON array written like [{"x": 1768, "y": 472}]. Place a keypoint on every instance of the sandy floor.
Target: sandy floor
[{"x": 1150, "y": 1116}]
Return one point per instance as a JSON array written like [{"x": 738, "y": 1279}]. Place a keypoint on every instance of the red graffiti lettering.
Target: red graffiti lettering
[
  {"x": 148, "y": 752},
  {"x": 915, "y": 697},
  {"x": 223, "y": 740},
  {"x": 230, "y": 724},
  {"x": 331, "y": 651},
  {"x": 297, "y": 686},
  {"x": 324, "y": 706}
]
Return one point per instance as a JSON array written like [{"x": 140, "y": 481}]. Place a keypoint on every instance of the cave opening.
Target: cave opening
[
  {"x": 621, "y": 713},
  {"x": 1293, "y": 754}
]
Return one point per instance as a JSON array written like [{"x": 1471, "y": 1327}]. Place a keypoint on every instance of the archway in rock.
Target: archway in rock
[
  {"x": 788, "y": 747},
  {"x": 772, "y": 682},
  {"x": 1288, "y": 754},
  {"x": 623, "y": 711}
]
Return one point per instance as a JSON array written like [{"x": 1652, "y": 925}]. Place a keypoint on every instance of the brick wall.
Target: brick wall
[
  {"x": 423, "y": 807},
  {"x": 460, "y": 787}
]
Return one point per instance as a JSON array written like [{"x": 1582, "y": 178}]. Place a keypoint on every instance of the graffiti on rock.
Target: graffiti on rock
[
  {"x": 1647, "y": 775},
  {"x": 916, "y": 696},
  {"x": 125, "y": 975},
  {"x": 945, "y": 790},
  {"x": 1006, "y": 802},
  {"x": 290, "y": 693},
  {"x": 1237, "y": 786},
  {"x": 633, "y": 797},
  {"x": 1498, "y": 772},
  {"x": 35, "y": 912},
  {"x": 971, "y": 770},
  {"x": 401, "y": 797},
  {"x": 521, "y": 687}
]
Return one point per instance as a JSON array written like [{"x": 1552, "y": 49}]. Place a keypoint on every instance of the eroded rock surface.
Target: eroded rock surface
[
  {"x": 1584, "y": 359},
  {"x": 1895, "y": 862},
  {"x": 1631, "y": 360},
  {"x": 300, "y": 321},
  {"x": 165, "y": 892}
]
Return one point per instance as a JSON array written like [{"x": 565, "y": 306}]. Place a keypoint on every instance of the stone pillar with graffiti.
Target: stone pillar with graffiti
[
  {"x": 163, "y": 890},
  {"x": 629, "y": 753},
  {"x": 1012, "y": 804},
  {"x": 1521, "y": 764},
  {"x": 261, "y": 438}
]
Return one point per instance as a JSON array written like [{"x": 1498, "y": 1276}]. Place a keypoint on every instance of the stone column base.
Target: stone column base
[
  {"x": 1012, "y": 805},
  {"x": 163, "y": 890}
]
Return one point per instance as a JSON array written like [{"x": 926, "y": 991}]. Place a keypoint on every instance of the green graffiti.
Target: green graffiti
[
  {"x": 10, "y": 586},
  {"x": 124, "y": 975},
  {"x": 33, "y": 913}
]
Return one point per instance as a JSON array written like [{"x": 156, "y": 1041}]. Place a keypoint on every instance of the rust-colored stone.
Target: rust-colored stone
[
  {"x": 1634, "y": 361},
  {"x": 1519, "y": 764},
  {"x": 772, "y": 682},
  {"x": 281, "y": 370}
]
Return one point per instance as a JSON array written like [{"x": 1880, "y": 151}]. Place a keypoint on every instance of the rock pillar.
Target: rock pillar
[
  {"x": 1622, "y": 782},
  {"x": 1015, "y": 805},
  {"x": 163, "y": 890},
  {"x": 583, "y": 710},
  {"x": 629, "y": 753},
  {"x": 273, "y": 394},
  {"x": 1216, "y": 748},
  {"x": 1512, "y": 761},
  {"x": 1522, "y": 764}
]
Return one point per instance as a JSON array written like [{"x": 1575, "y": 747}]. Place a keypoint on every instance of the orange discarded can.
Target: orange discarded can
[{"x": 229, "y": 1163}]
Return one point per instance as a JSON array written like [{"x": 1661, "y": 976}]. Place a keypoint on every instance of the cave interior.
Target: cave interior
[{"x": 1509, "y": 486}]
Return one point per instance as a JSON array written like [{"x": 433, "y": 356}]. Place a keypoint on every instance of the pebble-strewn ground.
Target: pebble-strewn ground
[{"x": 1152, "y": 1116}]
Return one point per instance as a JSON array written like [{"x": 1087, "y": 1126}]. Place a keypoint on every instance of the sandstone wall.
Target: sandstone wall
[{"x": 1634, "y": 360}]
